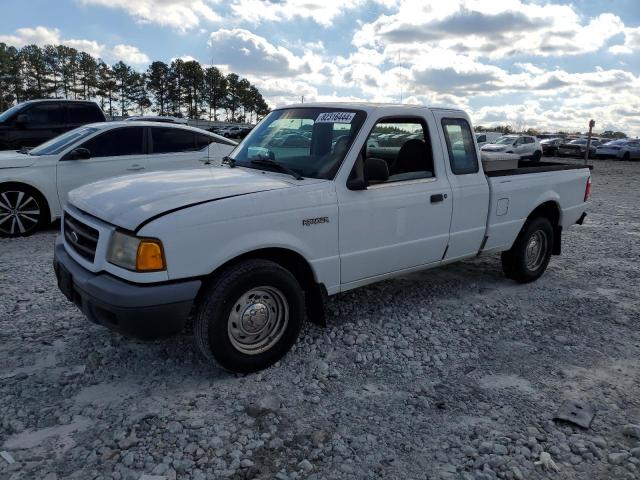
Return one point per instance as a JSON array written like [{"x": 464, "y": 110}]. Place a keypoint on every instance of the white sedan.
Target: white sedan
[{"x": 34, "y": 184}]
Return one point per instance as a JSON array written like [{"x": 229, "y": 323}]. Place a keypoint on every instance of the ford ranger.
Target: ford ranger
[{"x": 317, "y": 200}]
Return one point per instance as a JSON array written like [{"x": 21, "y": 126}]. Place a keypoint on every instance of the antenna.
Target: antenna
[{"x": 399, "y": 63}]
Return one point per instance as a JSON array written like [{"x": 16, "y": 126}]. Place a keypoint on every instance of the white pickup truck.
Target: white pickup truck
[{"x": 247, "y": 249}]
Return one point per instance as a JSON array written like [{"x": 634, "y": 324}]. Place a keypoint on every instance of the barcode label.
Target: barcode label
[{"x": 335, "y": 117}]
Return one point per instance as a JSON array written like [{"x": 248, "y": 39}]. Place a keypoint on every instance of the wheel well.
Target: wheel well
[
  {"x": 551, "y": 211},
  {"x": 34, "y": 190},
  {"x": 315, "y": 293}
]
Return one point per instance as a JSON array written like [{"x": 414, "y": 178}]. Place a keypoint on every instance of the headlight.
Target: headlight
[{"x": 137, "y": 254}]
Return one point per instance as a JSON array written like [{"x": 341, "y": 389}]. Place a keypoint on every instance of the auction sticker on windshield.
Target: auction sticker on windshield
[{"x": 335, "y": 117}]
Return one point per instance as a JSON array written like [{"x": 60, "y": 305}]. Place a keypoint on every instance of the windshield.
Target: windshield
[
  {"x": 310, "y": 141},
  {"x": 578, "y": 141},
  {"x": 506, "y": 140},
  {"x": 4, "y": 116},
  {"x": 58, "y": 144}
]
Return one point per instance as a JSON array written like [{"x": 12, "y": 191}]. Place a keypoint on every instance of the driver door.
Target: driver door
[{"x": 115, "y": 152}]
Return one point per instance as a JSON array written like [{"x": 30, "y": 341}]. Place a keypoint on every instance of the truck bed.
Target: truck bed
[
  {"x": 525, "y": 167},
  {"x": 515, "y": 193}
]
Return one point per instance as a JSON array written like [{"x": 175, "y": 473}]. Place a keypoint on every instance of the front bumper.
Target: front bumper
[{"x": 144, "y": 311}]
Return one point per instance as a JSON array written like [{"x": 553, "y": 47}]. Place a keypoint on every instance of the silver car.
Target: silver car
[{"x": 621, "y": 149}]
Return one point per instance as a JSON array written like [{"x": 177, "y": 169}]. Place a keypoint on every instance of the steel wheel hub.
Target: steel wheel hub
[
  {"x": 536, "y": 250},
  {"x": 19, "y": 212},
  {"x": 257, "y": 320}
]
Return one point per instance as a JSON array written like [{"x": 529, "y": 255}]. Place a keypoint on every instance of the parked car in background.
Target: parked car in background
[
  {"x": 578, "y": 148},
  {"x": 31, "y": 123},
  {"x": 525, "y": 146},
  {"x": 623, "y": 149},
  {"x": 550, "y": 146},
  {"x": 157, "y": 118},
  {"x": 487, "y": 137},
  {"x": 34, "y": 184}
]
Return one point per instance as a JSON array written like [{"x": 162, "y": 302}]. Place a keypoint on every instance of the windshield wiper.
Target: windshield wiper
[
  {"x": 283, "y": 168},
  {"x": 229, "y": 161},
  {"x": 24, "y": 150}
]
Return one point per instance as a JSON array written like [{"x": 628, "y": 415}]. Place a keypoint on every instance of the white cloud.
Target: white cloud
[
  {"x": 631, "y": 42},
  {"x": 508, "y": 28},
  {"x": 182, "y": 15},
  {"x": 130, "y": 54},
  {"x": 51, "y": 36},
  {"x": 322, "y": 12},
  {"x": 247, "y": 52},
  {"x": 37, "y": 35}
]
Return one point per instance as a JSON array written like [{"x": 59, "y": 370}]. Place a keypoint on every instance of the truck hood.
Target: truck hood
[
  {"x": 13, "y": 159},
  {"x": 131, "y": 200}
]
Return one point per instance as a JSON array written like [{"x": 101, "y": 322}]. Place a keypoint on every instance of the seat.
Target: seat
[{"x": 412, "y": 157}]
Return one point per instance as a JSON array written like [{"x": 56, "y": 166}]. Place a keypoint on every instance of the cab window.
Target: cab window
[{"x": 460, "y": 146}]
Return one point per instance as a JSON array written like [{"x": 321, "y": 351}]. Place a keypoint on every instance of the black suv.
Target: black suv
[{"x": 31, "y": 123}]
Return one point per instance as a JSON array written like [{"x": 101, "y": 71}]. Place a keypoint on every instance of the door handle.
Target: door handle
[
  {"x": 438, "y": 197},
  {"x": 135, "y": 167}
]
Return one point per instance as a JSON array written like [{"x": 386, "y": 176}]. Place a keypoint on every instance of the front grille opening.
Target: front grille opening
[{"x": 81, "y": 237}]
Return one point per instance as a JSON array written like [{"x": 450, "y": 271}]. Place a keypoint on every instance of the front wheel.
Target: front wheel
[
  {"x": 22, "y": 211},
  {"x": 530, "y": 254},
  {"x": 250, "y": 316}
]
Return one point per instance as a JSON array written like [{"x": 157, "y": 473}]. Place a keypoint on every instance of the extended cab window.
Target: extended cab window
[
  {"x": 460, "y": 146},
  {"x": 116, "y": 142},
  {"x": 174, "y": 140},
  {"x": 404, "y": 145}
]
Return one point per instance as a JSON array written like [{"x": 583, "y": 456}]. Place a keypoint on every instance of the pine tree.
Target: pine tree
[
  {"x": 158, "y": 85},
  {"x": 106, "y": 87},
  {"x": 215, "y": 90},
  {"x": 122, "y": 74}
]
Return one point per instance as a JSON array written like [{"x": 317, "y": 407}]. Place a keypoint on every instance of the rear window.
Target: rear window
[{"x": 81, "y": 114}]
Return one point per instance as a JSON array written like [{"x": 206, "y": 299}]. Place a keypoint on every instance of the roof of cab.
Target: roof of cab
[{"x": 367, "y": 106}]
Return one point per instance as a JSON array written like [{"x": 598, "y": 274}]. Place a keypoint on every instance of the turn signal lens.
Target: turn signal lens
[{"x": 150, "y": 256}]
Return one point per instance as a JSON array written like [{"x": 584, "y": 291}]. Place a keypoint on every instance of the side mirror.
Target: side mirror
[
  {"x": 376, "y": 170},
  {"x": 79, "y": 154}
]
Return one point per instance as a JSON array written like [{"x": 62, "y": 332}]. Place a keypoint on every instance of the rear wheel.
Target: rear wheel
[
  {"x": 22, "y": 211},
  {"x": 250, "y": 316},
  {"x": 530, "y": 254},
  {"x": 536, "y": 156}
]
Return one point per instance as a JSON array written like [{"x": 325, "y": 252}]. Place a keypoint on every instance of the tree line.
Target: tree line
[{"x": 181, "y": 88}]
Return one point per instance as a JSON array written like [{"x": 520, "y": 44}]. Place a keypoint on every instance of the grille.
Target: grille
[{"x": 82, "y": 238}]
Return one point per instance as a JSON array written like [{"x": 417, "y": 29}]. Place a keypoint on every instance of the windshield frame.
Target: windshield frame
[
  {"x": 36, "y": 152},
  {"x": 358, "y": 122}
]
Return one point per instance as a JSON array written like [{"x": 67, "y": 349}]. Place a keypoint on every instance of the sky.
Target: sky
[{"x": 543, "y": 64}]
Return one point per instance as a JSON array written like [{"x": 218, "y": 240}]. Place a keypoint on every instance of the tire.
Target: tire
[
  {"x": 536, "y": 156},
  {"x": 523, "y": 263},
  {"x": 226, "y": 318},
  {"x": 626, "y": 157},
  {"x": 22, "y": 211}
]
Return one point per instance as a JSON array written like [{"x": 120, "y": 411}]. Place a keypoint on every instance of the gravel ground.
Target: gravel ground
[{"x": 453, "y": 373}]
